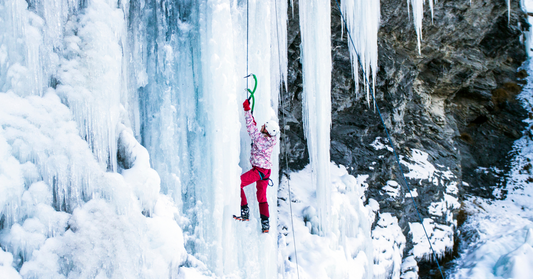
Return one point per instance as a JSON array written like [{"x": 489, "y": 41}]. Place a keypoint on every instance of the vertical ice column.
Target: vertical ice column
[
  {"x": 362, "y": 18},
  {"x": 316, "y": 64},
  {"x": 162, "y": 69},
  {"x": 418, "y": 16},
  {"x": 21, "y": 65},
  {"x": 91, "y": 77},
  {"x": 279, "y": 18},
  {"x": 219, "y": 104}
]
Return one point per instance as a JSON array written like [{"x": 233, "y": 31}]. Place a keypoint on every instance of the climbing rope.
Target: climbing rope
[
  {"x": 391, "y": 142},
  {"x": 247, "y": 41},
  {"x": 249, "y": 93}
]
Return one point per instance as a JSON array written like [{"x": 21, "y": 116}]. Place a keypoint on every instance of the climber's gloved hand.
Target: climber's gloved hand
[{"x": 246, "y": 105}]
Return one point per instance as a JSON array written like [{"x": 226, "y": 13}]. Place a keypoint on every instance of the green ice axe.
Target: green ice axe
[{"x": 252, "y": 92}]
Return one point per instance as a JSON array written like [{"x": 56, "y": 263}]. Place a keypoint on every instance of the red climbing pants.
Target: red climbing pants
[{"x": 252, "y": 176}]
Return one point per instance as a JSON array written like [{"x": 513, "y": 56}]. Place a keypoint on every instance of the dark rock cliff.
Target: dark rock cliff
[{"x": 455, "y": 101}]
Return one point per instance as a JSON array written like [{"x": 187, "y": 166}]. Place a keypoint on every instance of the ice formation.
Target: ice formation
[
  {"x": 362, "y": 18},
  {"x": 120, "y": 136},
  {"x": 346, "y": 252},
  {"x": 316, "y": 68},
  {"x": 121, "y": 144}
]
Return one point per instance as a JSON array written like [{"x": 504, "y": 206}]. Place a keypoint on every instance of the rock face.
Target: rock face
[{"x": 455, "y": 102}]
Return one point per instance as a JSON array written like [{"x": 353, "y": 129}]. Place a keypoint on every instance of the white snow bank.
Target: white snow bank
[
  {"x": 46, "y": 166},
  {"x": 389, "y": 243},
  {"x": 6, "y": 269},
  {"x": 441, "y": 237},
  {"x": 346, "y": 252},
  {"x": 517, "y": 263},
  {"x": 100, "y": 242},
  {"x": 500, "y": 247}
]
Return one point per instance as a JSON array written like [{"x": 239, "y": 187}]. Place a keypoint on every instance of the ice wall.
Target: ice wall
[
  {"x": 192, "y": 59},
  {"x": 79, "y": 198},
  {"x": 83, "y": 85}
]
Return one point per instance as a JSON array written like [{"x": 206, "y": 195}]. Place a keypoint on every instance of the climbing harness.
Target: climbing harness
[
  {"x": 391, "y": 143},
  {"x": 262, "y": 176}
]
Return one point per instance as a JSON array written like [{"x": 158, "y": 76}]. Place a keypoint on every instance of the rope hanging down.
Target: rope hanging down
[{"x": 391, "y": 143}]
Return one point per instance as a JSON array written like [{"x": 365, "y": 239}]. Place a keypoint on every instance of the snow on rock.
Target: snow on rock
[
  {"x": 422, "y": 171},
  {"x": 409, "y": 268},
  {"x": 440, "y": 236},
  {"x": 378, "y": 144},
  {"x": 419, "y": 166},
  {"x": 389, "y": 243},
  {"x": 392, "y": 189}
]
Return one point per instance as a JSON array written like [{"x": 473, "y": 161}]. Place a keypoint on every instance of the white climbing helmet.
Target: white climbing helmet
[{"x": 272, "y": 128}]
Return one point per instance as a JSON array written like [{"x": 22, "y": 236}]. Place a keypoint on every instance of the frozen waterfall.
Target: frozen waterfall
[{"x": 122, "y": 140}]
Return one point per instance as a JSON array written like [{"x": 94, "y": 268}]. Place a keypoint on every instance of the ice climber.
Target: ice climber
[{"x": 263, "y": 142}]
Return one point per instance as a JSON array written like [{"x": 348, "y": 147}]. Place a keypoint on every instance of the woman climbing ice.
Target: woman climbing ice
[{"x": 263, "y": 142}]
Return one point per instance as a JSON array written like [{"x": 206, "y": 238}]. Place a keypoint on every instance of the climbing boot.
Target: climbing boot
[
  {"x": 265, "y": 226},
  {"x": 245, "y": 214}
]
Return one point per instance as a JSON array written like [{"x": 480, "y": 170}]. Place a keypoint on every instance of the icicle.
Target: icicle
[
  {"x": 418, "y": 15},
  {"x": 316, "y": 64},
  {"x": 90, "y": 78},
  {"x": 363, "y": 18},
  {"x": 508, "y": 12},
  {"x": 279, "y": 45},
  {"x": 431, "y": 8}
]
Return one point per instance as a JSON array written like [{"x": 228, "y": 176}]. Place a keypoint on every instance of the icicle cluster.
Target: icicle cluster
[
  {"x": 362, "y": 18},
  {"x": 418, "y": 16}
]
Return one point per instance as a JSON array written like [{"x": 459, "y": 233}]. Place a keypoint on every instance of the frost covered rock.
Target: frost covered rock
[{"x": 389, "y": 243}]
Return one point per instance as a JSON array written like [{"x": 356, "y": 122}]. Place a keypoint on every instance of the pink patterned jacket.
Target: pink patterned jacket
[{"x": 262, "y": 144}]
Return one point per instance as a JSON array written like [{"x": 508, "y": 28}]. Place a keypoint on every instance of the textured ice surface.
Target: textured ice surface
[{"x": 316, "y": 67}]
